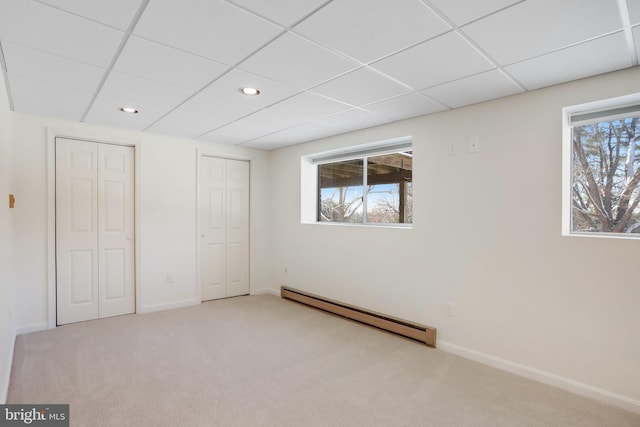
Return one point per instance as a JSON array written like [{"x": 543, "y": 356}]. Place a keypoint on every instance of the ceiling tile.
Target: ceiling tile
[
  {"x": 634, "y": 11},
  {"x": 151, "y": 98},
  {"x": 211, "y": 28},
  {"x": 295, "y": 135},
  {"x": 363, "y": 86},
  {"x": 270, "y": 121},
  {"x": 153, "y": 61},
  {"x": 263, "y": 145},
  {"x": 294, "y": 111},
  {"x": 200, "y": 115},
  {"x": 297, "y": 62},
  {"x": 355, "y": 119},
  {"x": 437, "y": 61},
  {"x": 45, "y": 28},
  {"x": 221, "y": 139},
  {"x": 533, "y": 28},
  {"x": 228, "y": 88},
  {"x": 370, "y": 29},
  {"x": 36, "y": 97},
  {"x": 45, "y": 67},
  {"x": 573, "y": 63},
  {"x": 284, "y": 12},
  {"x": 102, "y": 116},
  {"x": 462, "y": 12},
  {"x": 405, "y": 106},
  {"x": 235, "y": 132},
  {"x": 471, "y": 90},
  {"x": 175, "y": 127},
  {"x": 116, "y": 13}
]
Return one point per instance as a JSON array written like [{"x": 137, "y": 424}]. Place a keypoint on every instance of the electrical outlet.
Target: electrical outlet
[
  {"x": 452, "y": 150},
  {"x": 286, "y": 271},
  {"x": 474, "y": 146},
  {"x": 449, "y": 309},
  {"x": 170, "y": 278}
]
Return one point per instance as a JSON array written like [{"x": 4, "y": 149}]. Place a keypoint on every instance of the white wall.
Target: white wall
[
  {"x": 486, "y": 239},
  {"x": 166, "y": 214},
  {"x": 7, "y": 326}
]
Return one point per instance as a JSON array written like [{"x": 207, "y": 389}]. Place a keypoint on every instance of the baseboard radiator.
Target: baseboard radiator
[{"x": 416, "y": 331}]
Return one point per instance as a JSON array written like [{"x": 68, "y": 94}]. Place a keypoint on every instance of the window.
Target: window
[
  {"x": 366, "y": 186},
  {"x": 602, "y": 158}
]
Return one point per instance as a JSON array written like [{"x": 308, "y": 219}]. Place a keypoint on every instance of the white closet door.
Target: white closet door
[
  {"x": 94, "y": 230},
  {"x": 237, "y": 228},
  {"x": 212, "y": 265},
  {"x": 116, "y": 230},
  {"x": 76, "y": 231},
  {"x": 223, "y": 228}
]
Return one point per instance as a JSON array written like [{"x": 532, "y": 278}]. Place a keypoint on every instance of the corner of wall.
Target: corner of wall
[
  {"x": 5, "y": 374},
  {"x": 7, "y": 283},
  {"x": 266, "y": 291}
]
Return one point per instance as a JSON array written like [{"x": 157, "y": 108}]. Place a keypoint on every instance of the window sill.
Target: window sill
[
  {"x": 369, "y": 225},
  {"x": 601, "y": 235}
]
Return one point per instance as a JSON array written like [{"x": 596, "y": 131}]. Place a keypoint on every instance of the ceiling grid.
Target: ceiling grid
[{"x": 323, "y": 67}]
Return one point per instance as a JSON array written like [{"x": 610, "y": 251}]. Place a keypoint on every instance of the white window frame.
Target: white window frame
[
  {"x": 309, "y": 177},
  {"x": 613, "y": 107}
]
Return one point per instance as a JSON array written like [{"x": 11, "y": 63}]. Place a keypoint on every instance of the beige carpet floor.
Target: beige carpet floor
[{"x": 263, "y": 361}]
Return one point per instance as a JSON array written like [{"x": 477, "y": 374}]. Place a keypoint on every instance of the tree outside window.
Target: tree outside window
[{"x": 605, "y": 176}]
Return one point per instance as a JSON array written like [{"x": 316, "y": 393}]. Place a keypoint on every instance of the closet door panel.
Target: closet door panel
[
  {"x": 76, "y": 231},
  {"x": 237, "y": 227},
  {"x": 212, "y": 228},
  {"x": 116, "y": 236}
]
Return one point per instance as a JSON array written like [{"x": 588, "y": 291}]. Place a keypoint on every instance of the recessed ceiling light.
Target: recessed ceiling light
[
  {"x": 251, "y": 91},
  {"x": 129, "y": 110}
]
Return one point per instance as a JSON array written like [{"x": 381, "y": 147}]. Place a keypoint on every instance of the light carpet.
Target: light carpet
[{"x": 263, "y": 361}]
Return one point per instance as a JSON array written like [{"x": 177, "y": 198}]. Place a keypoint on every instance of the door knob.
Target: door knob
[{"x": 129, "y": 237}]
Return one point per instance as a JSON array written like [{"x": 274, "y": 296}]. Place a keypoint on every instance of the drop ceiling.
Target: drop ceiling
[{"x": 323, "y": 67}]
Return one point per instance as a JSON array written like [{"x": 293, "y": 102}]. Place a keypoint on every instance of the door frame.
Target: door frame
[
  {"x": 52, "y": 134},
  {"x": 206, "y": 153}
]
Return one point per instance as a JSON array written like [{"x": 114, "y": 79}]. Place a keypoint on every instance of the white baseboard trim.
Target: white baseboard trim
[
  {"x": 567, "y": 384},
  {"x": 168, "y": 306},
  {"x": 266, "y": 291},
  {"x": 4, "y": 391},
  {"x": 34, "y": 327}
]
